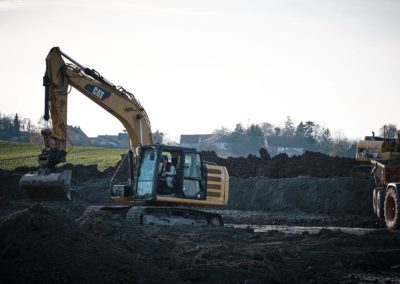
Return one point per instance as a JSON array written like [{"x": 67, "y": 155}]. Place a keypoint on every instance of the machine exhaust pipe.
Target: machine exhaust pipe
[{"x": 42, "y": 187}]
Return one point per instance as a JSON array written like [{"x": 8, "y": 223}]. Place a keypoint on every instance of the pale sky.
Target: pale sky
[{"x": 198, "y": 65}]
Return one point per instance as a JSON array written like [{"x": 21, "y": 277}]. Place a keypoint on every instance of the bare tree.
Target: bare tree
[
  {"x": 267, "y": 128},
  {"x": 221, "y": 131}
]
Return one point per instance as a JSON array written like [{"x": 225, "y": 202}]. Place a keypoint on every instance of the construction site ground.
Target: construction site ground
[{"x": 299, "y": 228}]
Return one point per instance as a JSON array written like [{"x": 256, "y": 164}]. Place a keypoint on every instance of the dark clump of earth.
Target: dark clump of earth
[
  {"x": 55, "y": 242},
  {"x": 42, "y": 245}
]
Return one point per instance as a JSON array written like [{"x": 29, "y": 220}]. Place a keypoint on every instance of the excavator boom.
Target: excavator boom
[
  {"x": 116, "y": 100},
  {"x": 48, "y": 182}
]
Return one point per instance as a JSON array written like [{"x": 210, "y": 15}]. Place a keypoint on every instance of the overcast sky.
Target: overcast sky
[{"x": 198, "y": 65}]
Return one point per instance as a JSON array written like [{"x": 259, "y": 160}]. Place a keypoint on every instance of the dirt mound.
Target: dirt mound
[
  {"x": 82, "y": 173},
  {"x": 333, "y": 196},
  {"x": 281, "y": 166},
  {"x": 337, "y": 196},
  {"x": 8, "y": 184},
  {"x": 53, "y": 242},
  {"x": 42, "y": 247}
]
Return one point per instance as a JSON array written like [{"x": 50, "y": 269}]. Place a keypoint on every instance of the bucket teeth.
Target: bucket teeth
[{"x": 53, "y": 186}]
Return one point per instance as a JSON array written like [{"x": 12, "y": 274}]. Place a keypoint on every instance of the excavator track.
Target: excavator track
[
  {"x": 179, "y": 216},
  {"x": 165, "y": 216}
]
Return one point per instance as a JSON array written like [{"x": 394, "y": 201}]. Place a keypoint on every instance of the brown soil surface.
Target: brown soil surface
[{"x": 52, "y": 242}]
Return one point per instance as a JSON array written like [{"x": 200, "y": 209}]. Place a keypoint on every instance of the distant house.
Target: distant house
[
  {"x": 216, "y": 142},
  {"x": 213, "y": 142},
  {"x": 105, "y": 141},
  {"x": 76, "y": 136},
  {"x": 121, "y": 140},
  {"x": 193, "y": 140},
  {"x": 291, "y": 145}
]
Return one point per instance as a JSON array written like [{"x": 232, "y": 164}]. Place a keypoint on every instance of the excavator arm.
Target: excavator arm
[
  {"x": 58, "y": 78},
  {"x": 116, "y": 100}
]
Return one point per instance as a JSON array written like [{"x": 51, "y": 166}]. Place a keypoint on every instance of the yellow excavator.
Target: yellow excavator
[{"x": 149, "y": 196}]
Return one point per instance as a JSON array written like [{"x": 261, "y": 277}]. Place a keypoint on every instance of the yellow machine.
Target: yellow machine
[
  {"x": 381, "y": 157},
  {"x": 152, "y": 198},
  {"x": 374, "y": 148}
]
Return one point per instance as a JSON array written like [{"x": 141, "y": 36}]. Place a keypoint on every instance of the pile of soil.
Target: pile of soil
[
  {"x": 304, "y": 201},
  {"x": 331, "y": 196},
  {"x": 281, "y": 166},
  {"x": 338, "y": 196},
  {"x": 9, "y": 184},
  {"x": 312, "y": 164},
  {"x": 56, "y": 242},
  {"x": 41, "y": 245}
]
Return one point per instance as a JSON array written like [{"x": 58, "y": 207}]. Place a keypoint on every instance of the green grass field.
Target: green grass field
[{"x": 16, "y": 154}]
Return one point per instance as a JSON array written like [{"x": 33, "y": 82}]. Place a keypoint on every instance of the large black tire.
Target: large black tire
[
  {"x": 374, "y": 200},
  {"x": 380, "y": 203},
  {"x": 392, "y": 214}
]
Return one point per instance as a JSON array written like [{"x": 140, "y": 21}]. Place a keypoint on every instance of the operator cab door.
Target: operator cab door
[
  {"x": 146, "y": 175},
  {"x": 194, "y": 176}
]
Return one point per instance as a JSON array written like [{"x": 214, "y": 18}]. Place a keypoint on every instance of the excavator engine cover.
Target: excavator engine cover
[{"x": 53, "y": 186}]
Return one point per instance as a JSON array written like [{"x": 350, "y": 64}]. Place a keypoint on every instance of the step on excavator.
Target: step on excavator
[{"x": 166, "y": 183}]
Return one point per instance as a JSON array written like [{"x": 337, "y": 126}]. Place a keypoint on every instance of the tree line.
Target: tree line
[
  {"x": 13, "y": 127},
  {"x": 248, "y": 140},
  {"x": 243, "y": 140}
]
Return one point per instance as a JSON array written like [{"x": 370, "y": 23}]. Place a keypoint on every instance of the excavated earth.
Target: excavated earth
[{"x": 288, "y": 220}]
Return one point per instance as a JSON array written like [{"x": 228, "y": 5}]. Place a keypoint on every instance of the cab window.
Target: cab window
[
  {"x": 192, "y": 185},
  {"x": 146, "y": 174},
  {"x": 192, "y": 166}
]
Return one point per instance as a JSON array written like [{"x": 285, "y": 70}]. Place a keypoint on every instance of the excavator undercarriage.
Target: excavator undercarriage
[{"x": 158, "y": 215}]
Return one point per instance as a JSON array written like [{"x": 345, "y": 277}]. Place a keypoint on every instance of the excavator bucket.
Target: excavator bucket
[{"x": 53, "y": 186}]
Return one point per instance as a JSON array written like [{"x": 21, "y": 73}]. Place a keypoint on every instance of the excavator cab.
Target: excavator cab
[{"x": 187, "y": 176}]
